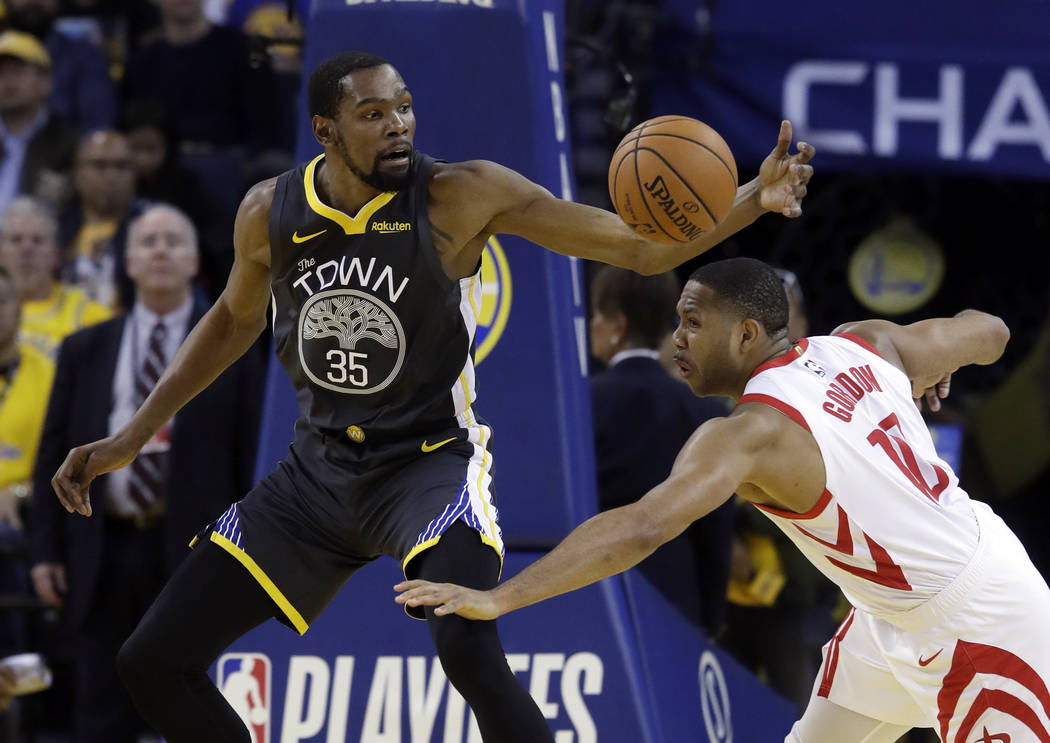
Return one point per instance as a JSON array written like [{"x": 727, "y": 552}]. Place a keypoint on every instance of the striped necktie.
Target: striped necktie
[{"x": 146, "y": 484}]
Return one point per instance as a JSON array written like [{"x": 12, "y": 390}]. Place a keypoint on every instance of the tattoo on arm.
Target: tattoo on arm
[{"x": 445, "y": 237}]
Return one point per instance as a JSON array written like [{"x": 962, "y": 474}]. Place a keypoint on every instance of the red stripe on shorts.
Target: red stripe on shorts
[{"x": 832, "y": 661}]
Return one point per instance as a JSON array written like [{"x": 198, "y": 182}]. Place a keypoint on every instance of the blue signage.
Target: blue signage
[{"x": 895, "y": 85}]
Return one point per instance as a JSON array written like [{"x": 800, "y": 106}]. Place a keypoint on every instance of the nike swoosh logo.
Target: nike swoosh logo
[
  {"x": 304, "y": 238},
  {"x": 431, "y": 447},
  {"x": 928, "y": 661}
]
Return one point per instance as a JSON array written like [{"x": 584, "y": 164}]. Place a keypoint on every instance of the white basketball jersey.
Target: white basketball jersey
[{"x": 893, "y": 527}]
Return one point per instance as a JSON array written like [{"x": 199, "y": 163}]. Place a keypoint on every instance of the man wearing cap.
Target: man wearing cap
[{"x": 36, "y": 147}]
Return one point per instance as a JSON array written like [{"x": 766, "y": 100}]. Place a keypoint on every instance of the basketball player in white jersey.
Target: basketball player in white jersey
[{"x": 950, "y": 620}]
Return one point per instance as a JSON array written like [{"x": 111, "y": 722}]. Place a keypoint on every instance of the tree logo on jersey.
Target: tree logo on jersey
[
  {"x": 714, "y": 700},
  {"x": 350, "y": 342}
]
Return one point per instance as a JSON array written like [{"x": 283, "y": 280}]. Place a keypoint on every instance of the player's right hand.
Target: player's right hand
[
  {"x": 84, "y": 464},
  {"x": 448, "y": 598}
]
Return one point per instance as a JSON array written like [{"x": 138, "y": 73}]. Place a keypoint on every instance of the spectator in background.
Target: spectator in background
[
  {"x": 202, "y": 76},
  {"x": 642, "y": 417},
  {"x": 29, "y": 251},
  {"x": 780, "y": 606},
  {"x": 114, "y": 564},
  {"x": 25, "y": 382},
  {"x": 82, "y": 90},
  {"x": 93, "y": 229},
  {"x": 36, "y": 146},
  {"x": 160, "y": 177}
]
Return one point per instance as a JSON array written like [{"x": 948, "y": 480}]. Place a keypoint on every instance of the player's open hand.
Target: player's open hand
[
  {"x": 448, "y": 598},
  {"x": 84, "y": 464},
  {"x": 782, "y": 178}
]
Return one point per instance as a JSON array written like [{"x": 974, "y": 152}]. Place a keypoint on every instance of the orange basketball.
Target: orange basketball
[{"x": 672, "y": 179}]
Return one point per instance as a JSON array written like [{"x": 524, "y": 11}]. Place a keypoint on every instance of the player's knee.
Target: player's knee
[
  {"x": 133, "y": 663},
  {"x": 468, "y": 650},
  {"x": 139, "y": 660}
]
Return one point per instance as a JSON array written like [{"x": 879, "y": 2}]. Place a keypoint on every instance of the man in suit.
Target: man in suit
[
  {"x": 106, "y": 572},
  {"x": 642, "y": 417}
]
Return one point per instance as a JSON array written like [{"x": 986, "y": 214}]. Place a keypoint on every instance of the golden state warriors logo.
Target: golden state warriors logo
[
  {"x": 495, "y": 298},
  {"x": 350, "y": 342},
  {"x": 896, "y": 269}
]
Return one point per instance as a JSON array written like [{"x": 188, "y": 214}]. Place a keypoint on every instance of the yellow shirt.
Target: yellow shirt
[
  {"x": 23, "y": 405},
  {"x": 45, "y": 322}
]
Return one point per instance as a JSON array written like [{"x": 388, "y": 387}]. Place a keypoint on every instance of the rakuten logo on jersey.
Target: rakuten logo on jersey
[{"x": 409, "y": 700}]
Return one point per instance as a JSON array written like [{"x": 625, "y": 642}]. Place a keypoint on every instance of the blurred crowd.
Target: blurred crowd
[{"x": 128, "y": 133}]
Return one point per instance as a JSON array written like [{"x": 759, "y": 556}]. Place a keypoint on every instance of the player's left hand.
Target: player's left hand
[
  {"x": 933, "y": 394},
  {"x": 782, "y": 178},
  {"x": 448, "y": 598}
]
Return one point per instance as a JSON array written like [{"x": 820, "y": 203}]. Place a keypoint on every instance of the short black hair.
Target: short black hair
[
  {"x": 323, "y": 92},
  {"x": 647, "y": 302},
  {"x": 749, "y": 289}
]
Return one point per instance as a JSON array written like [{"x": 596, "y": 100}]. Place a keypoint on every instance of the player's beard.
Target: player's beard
[{"x": 376, "y": 179}]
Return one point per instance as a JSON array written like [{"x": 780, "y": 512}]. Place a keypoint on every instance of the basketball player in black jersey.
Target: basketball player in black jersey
[{"x": 367, "y": 258}]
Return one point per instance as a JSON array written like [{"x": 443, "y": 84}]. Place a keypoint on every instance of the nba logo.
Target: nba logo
[{"x": 244, "y": 679}]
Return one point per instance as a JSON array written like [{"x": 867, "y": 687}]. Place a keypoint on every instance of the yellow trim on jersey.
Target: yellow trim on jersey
[
  {"x": 193, "y": 542},
  {"x": 264, "y": 580},
  {"x": 351, "y": 225},
  {"x": 416, "y": 550}
]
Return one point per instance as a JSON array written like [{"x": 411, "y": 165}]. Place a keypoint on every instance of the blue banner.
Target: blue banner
[
  {"x": 611, "y": 663},
  {"x": 895, "y": 85}
]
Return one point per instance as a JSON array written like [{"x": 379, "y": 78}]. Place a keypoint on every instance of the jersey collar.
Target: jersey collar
[
  {"x": 351, "y": 225},
  {"x": 783, "y": 359}
]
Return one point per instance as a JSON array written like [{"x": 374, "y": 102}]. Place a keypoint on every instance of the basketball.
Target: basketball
[{"x": 672, "y": 179}]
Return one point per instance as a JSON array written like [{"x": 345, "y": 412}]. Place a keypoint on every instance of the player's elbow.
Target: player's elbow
[
  {"x": 995, "y": 335},
  {"x": 1000, "y": 334}
]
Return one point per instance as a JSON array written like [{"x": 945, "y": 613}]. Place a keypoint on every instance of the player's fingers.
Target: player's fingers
[
  {"x": 799, "y": 192},
  {"x": 783, "y": 139},
  {"x": 59, "y": 486},
  {"x": 944, "y": 386},
  {"x": 805, "y": 153},
  {"x": 408, "y": 584},
  {"x": 792, "y": 211},
  {"x": 803, "y": 172},
  {"x": 932, "y": 401}
]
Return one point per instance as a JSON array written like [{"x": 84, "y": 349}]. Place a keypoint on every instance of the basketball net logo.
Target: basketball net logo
[
  {"x": 714, "y": 700},
  {"x": 244, "y": 679}
]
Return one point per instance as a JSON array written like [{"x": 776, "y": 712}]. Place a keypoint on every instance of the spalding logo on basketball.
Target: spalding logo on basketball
[
  {"x": 672, "y": 179},
  {"x": 350, "y": 342},
  {"x": 496, "y": 293}
]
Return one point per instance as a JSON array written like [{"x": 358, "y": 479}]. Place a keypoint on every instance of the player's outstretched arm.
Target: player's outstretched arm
[
  {"x": 712, "y": 464},
  {"x": 520, "y": 207},
  {"x": 929, "y": 351},
  {"x": 222, "y": 336}
]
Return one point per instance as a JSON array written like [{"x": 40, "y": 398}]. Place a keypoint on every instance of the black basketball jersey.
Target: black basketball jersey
[{"x": 366, "y": 323}]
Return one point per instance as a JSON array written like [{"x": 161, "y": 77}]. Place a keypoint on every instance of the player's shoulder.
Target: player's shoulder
[
  {"x": 465, "y": 174},
  {"x": 756, "y": 424},
  {"x": 259, "y": 197},
  {"x": 876, "y": 336}
]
